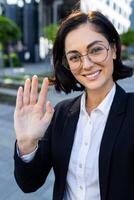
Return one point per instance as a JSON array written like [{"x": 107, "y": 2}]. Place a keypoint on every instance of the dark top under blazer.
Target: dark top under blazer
[{"x": 116, "y": 157}]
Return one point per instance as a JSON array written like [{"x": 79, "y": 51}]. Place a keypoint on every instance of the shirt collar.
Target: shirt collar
[{"x": 104, "y": 106}]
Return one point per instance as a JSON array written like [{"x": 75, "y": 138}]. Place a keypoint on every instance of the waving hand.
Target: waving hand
[{"x": 30, "y": 119}]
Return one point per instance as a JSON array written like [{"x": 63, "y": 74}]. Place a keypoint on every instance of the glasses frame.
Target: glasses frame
[{"x": 65, "y": 62}]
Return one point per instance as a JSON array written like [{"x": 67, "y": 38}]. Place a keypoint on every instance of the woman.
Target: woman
[{"x": 88, "y": 140}]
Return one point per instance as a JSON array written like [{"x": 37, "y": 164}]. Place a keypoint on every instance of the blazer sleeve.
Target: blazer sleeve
[{"x": 31, "y": 176}]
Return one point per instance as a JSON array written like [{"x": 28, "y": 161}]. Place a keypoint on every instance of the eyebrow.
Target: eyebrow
[{"x": 88, "y": 46}]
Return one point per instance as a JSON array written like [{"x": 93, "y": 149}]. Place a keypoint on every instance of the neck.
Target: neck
[{"x": 95, "y": 97}]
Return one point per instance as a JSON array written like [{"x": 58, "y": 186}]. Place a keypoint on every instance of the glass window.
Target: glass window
[
  {"x": 120, "y": 11},
  {"x": 107, "y": 2},
  {"x": 114, "y": 6},
  {"x": 113, "y": 22}
]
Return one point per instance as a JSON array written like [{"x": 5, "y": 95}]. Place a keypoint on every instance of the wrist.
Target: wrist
[{"x": 26, "y": 147}]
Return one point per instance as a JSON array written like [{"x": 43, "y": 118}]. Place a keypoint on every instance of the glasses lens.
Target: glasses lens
[
  {"x": 97, "y": 53},
  {"x": 74, "y": 60}
]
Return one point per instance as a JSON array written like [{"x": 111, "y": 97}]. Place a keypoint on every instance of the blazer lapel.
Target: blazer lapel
[
  {"x": 113, "y": 125},
  {"x": 68, "y": 135}
]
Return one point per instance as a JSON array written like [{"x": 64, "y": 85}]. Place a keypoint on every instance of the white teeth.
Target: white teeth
[{"x": 93, "y": 75}]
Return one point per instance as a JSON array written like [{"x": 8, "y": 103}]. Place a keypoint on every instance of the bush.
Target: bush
[
  {"x": 127, "y": 38},
  {"x": 12, "y": 57},
  {"x": 50, "y": 31},
  {"x": 9, "y": 34},
  {"x": 15, "y": 60},
  {"x": 6, "y": 60},
  {"x": 9, "y": 31}
]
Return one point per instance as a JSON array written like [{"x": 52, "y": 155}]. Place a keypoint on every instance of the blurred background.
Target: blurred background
[{"x": 27, "y": 33}]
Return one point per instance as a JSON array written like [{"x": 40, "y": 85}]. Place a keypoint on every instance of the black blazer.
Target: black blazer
[{"x": 116, "y": 157}]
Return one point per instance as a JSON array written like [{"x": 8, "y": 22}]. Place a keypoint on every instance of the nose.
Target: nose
[{"x": 86, "y": 62}]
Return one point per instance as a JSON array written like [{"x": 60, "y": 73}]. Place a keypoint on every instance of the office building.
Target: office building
[
  {"x": 32, "y": 16},
  {"x": 117, "y": 11},
  {"x": 132, "y": 15}
]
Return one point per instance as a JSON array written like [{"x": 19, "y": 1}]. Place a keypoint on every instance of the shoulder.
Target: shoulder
[
  {"x": 131, "y": 95},
  {"x": 62, "y": 111},
  {"x": 67, "y": 104},
  {"x": 124, "y": 98},
  {"x": 131, "y": 100}
]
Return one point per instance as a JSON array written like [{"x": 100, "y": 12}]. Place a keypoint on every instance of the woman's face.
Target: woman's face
[{"x": 95, "y": 68}]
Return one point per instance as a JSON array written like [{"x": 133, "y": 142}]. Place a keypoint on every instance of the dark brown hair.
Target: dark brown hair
[{"x": 64, "y": 80}]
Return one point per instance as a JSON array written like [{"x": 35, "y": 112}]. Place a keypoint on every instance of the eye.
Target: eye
[
  {"x": 74, "y": 58},
  {"x": 96, "y": 50}
]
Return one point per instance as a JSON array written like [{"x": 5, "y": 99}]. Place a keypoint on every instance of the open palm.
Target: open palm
[{"x": 30, "y": 119}]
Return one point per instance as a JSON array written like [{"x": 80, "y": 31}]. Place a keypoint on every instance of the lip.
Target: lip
[{"x": 92, "y": 75}]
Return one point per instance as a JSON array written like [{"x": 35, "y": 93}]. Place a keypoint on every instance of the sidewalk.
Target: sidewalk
[
  {"x": 33, "y": 68},
  {"x": 43, "y": 68}
]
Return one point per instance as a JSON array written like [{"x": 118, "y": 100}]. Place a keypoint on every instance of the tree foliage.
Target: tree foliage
[
  {"x": 50, "y": 32},
  {"x": 127, "y": 38},
  {"x": 9, "y": 34},
  {"x": 9, "y": 31}
]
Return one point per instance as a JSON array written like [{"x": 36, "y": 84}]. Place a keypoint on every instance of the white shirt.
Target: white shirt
[{"x": 83, "y": 172}]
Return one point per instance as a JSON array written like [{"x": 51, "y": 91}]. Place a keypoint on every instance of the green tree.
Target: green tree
[
  {"x": 9, "y": 34},
  {"x": 9, "y": 31},
  {"x": 50, "y": 32},
  {"x": 127, "y": 38}
]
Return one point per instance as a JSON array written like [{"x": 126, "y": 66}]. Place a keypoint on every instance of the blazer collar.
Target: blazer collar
[
  {"x": 75, "y": 108},
  {"x": 119, "y": 101},
  {"x": 117, "y": 106},
  {"x": 114, "y": 122}
]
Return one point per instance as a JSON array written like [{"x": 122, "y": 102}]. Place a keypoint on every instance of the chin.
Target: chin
[{"x": 97, "y": 85}]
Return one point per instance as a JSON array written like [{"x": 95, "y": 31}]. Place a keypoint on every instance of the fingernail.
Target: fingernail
[
  {"x": 20, "y": 88},
  {"x": 35, "y": 76}
]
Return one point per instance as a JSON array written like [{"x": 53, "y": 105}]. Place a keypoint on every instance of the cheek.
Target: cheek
[
  {"x": 109, "y": 67},
  {"x": 76, "y": 73}
]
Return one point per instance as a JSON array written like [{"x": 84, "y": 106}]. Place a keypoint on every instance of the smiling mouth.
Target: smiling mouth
[{"x": 93, "y": 75}]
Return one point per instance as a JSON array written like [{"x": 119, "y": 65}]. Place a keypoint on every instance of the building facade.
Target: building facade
[
  {"x": 2, "y": 7},
  {"x": 132, "y": 15},
  {"x": 52, "y": 11},
  {"x": 32, "y": 16},
  {"x": 117, "y": 11}
]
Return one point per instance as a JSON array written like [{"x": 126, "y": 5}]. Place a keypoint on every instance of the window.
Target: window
[
  {"x": 114, "y": 6},
  {"x": 120, "y": 11},
  {"x": 119, "y": 25},
  {"x": 107, "y": 2},
  {"x": 113, "y": 22}
]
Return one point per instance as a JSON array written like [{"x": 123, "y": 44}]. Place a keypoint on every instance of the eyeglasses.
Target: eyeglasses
[{"x": 97, "y": 53}]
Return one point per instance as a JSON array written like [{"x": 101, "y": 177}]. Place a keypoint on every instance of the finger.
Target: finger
[
  {"x": 34, "y": 90},
  {"x": 49, "y": 112},
  {"x": 49, "y": 107},
  {"x": 26, "y": 95},
  {"x": 43, "y": 93},
  {"x": 19, "y": 99}
]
